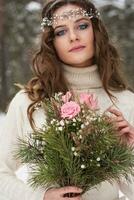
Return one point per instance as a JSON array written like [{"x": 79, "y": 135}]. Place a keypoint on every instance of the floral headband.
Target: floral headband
[{"x": 69, "y": 15}]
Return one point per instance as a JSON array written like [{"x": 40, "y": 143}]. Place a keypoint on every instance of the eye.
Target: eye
[
  {"x": 83, "y": 26},
  {"x": 60, "y": 33}
]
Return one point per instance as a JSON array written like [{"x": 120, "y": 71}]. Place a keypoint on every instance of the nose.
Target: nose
[{"x": 73, "y": 35}]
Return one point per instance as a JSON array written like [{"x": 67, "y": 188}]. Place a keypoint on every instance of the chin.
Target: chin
[
  {"x": 80, "y": 62},
  {"x": 80, "y": 58}
]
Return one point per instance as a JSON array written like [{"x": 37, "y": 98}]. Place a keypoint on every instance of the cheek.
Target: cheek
[
  {"x": 90, "y": 38},
  {"x": 60, "y": 47}
]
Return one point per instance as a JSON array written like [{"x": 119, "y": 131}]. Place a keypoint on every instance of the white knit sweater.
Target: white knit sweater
[{"x": 17, "y": 125}]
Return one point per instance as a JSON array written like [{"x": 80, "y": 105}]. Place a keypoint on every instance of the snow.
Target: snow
[
  {"x": 118, "y": 3},
  {"x": 112, "y": 13},
  {"x": 33, "y": 6}
]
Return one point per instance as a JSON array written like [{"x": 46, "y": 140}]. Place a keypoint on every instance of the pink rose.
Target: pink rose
[
  {"x": 66, "y": 97},
  {"x": 70, "y": 110},
  {"x": 90, "y": 100}
]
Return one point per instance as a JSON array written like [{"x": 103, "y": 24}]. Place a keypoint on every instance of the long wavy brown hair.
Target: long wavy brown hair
[{"x": 49, "y": 77}]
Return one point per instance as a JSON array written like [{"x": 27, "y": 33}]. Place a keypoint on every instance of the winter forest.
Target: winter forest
[{"x": 20, "y": 32}]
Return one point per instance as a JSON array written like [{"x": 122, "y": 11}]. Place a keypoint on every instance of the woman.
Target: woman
[{"x": 75, "y": 53}]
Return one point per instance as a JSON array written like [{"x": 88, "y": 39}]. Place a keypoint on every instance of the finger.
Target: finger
[
  {"x": 69, "y": 189},
  {"x": 119, "y": 119},
  {"x": 116, "y": 119},
  {"x": 131, "y": 136},
  {"x": 130, "y": 140},
  {"x": 124, "y": 130},
  {"x": 122, "y": 124},
  {"x": 115, "y": 112}
]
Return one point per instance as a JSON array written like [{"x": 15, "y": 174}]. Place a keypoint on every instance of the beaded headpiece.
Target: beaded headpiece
[{"x": 69, "y": 15}]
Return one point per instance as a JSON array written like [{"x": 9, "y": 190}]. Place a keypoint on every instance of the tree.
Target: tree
[
  {"x": 3, "y": 57},
  {"x": 19, "y": 27},
  {"x": 120, "y": 22}
]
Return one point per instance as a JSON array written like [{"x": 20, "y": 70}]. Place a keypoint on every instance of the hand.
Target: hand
[
  {"x": 126, "y": 130},
  {"x": 58, "y": 193}
]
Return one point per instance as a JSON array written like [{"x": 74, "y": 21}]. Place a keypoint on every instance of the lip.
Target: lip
[{"x": 77, "y": 48}]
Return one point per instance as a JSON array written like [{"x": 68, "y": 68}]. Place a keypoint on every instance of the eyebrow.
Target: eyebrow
[{"x": 60, "y": 26}]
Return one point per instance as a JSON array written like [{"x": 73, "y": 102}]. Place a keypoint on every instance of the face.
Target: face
[{"x": 74, "y": 38}]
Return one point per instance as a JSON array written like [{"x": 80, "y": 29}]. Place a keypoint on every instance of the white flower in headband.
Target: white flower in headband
[{"x": 69, "y": 15}]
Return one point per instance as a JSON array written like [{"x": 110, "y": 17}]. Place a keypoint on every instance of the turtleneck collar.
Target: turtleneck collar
[{"x": 82, "y": 78}]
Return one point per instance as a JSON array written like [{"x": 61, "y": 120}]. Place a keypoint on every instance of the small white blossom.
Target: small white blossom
[
  {"x": 98, "y": 165},
  {"x": 74, "y": 124},
  {"x": 88, "y": 117},
  {"x": 99, "y": 119},
  {"x": 102, "y": 130},
  {"x": 60, "y": 93},
  {"x": 52, "y": 122},
  {"x": 83, "y": 166},
  {"x": 77, "y": 133},
  {"x": 75, "y": 153},
  {"x": 60, "y": 128},
  {"x": 57, "y": 95},
  {"x": 73, "y": 148},
  {"x": 43, "y": 143},
  {"x": 80, "y": 136},
  {"x": 62, "y": 123},
  {"x": 82, "y": 126},
  {"x": 92, "y": 118},
  {"x": 98, "y": 159},
  {"x": 80, "y": 131},
  {"x": 87, "y": 123},
  {"x": 38, "y": 143},
  {"x": 74, "y": 120},
  {"x": 44, "y": 128}
]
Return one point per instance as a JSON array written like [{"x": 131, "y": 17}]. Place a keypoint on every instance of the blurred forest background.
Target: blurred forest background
[{"x": 20, "y": 32}]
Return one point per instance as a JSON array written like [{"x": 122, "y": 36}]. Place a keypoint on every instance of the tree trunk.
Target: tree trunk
[{"x": 3, "y": 62}]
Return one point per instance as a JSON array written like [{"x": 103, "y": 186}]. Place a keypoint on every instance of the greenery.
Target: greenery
[{"x": 82, "y": 151}]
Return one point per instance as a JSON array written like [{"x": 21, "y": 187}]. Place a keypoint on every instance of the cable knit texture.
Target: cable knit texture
[{"x": 17, "y": 125}]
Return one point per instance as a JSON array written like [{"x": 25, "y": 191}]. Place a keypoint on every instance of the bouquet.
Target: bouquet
[{"x": 76, "y": 146}]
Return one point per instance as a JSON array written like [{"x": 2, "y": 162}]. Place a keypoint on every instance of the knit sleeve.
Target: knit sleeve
[
  {"x": 12, "y": 188},
  {"x": 127, "y": 187}
]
